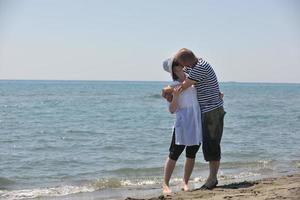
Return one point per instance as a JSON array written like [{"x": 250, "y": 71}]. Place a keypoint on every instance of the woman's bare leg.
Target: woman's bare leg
[
  {"x": 188, "y": 169},
  {"x": 168, "y": 170}
]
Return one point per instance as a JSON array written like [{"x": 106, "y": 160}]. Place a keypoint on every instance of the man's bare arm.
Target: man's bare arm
[{"x": 186, "y": 84}]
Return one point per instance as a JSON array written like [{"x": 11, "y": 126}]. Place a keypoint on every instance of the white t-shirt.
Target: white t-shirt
[{"x": 188, "y": 124}]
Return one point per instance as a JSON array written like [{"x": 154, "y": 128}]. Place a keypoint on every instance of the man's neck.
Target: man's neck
[{"x": 194, "y": 64}]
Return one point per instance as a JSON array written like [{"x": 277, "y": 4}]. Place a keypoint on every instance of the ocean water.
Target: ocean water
[{"x": 109, "y": 139}]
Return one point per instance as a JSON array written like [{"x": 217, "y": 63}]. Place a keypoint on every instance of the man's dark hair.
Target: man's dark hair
[{"x": 185, "y": 55}]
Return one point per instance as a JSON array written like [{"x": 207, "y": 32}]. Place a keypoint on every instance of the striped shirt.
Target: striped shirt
[{"x": 208, "y": 92}]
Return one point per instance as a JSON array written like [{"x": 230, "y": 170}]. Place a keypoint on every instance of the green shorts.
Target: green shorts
[{"x": 213, "y": 122}]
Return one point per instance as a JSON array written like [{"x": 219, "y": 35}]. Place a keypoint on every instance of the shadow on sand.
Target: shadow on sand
[{"x": 245, "y": 184}]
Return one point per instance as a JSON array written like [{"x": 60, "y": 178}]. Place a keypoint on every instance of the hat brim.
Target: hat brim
[{"x": 167, "y": 65}]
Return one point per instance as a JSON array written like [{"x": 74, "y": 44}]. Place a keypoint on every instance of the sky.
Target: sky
[{"x": 244, "y": 41}]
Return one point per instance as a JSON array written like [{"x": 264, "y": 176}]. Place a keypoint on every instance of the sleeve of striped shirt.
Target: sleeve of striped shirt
[{"x": 197, "y": 73}]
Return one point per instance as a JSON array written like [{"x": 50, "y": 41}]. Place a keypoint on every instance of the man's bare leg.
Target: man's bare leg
[{"x": 213, "y": 172}]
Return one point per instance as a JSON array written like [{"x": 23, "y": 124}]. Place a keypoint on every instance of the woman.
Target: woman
[{"x": 187, "y": 130}]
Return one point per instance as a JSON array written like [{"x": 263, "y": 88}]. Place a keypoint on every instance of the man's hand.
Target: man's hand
[
  {"x": 187, "y": 83},
  {"x": 179, "y": 88},
  {"x": 176, "y": 92},
  {"x": 222, "y": 95}
]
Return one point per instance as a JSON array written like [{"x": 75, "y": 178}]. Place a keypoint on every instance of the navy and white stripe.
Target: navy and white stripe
[{"x": 208, "y": 92}]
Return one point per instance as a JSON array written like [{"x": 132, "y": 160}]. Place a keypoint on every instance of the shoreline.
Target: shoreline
[{"x": 284, "y": 187}]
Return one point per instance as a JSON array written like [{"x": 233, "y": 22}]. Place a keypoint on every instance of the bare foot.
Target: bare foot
[
  {"x": 166, "y": 189},
  {"x": 184, "y": 187}
]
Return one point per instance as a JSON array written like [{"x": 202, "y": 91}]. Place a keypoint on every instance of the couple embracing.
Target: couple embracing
[{"x": 194, "y": 96}]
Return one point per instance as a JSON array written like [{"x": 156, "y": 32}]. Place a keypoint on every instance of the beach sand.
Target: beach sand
[{"x": 286, "y": 187}]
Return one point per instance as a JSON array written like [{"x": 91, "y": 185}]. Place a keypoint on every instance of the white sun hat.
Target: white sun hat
[{"x": 167, "y": 65}]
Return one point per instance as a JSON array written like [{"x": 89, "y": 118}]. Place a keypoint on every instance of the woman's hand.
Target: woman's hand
[
  {"x": 166, "y": 91},
  {"x": 169, "y": 97}
]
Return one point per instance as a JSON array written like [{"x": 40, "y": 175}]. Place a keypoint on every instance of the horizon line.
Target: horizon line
[{"x": 94, "y": 80}]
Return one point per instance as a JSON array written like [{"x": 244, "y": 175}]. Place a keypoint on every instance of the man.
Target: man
[{"x": 201, "y": 74}]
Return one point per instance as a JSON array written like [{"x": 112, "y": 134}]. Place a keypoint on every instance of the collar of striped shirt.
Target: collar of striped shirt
[{"x": 199, "y": 60}]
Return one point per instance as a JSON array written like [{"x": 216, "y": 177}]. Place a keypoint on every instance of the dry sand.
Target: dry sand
[{"x": 286, "y": 187}]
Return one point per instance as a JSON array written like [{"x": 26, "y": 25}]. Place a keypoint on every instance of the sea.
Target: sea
[{"x": 110, "y": 139}]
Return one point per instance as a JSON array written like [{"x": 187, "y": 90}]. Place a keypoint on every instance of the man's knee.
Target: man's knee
[{"x": 212, "y": 150}]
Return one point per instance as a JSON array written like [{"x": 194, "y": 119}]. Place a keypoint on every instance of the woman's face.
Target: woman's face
[{"x": 178, "y": 71}]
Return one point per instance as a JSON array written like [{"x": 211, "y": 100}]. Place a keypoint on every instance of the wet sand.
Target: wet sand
[{"x": 286, "y": 187}]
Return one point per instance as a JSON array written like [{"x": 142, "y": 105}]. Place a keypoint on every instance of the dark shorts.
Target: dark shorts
[
  {"x": 176, "y": 150},
  {"x": 213, "y": 123}
]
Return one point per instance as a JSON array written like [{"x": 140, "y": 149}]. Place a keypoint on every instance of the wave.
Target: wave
[
  {"x": 225, "y": 165},
  {"x": 63, "y": 190},
  {"x": 43, "y": 192},
  {"x": 154, "y": 96},
  {"x": 100, "y": 184},
  {"x": 135, "y": 171},
  {"x": 149, "y": 178},
  {"x": 241, "y": 175},
  {"x": 296, "y": 163},
  {"x": 250, "y": 164},
  {"x": 4, "y": 182}
]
